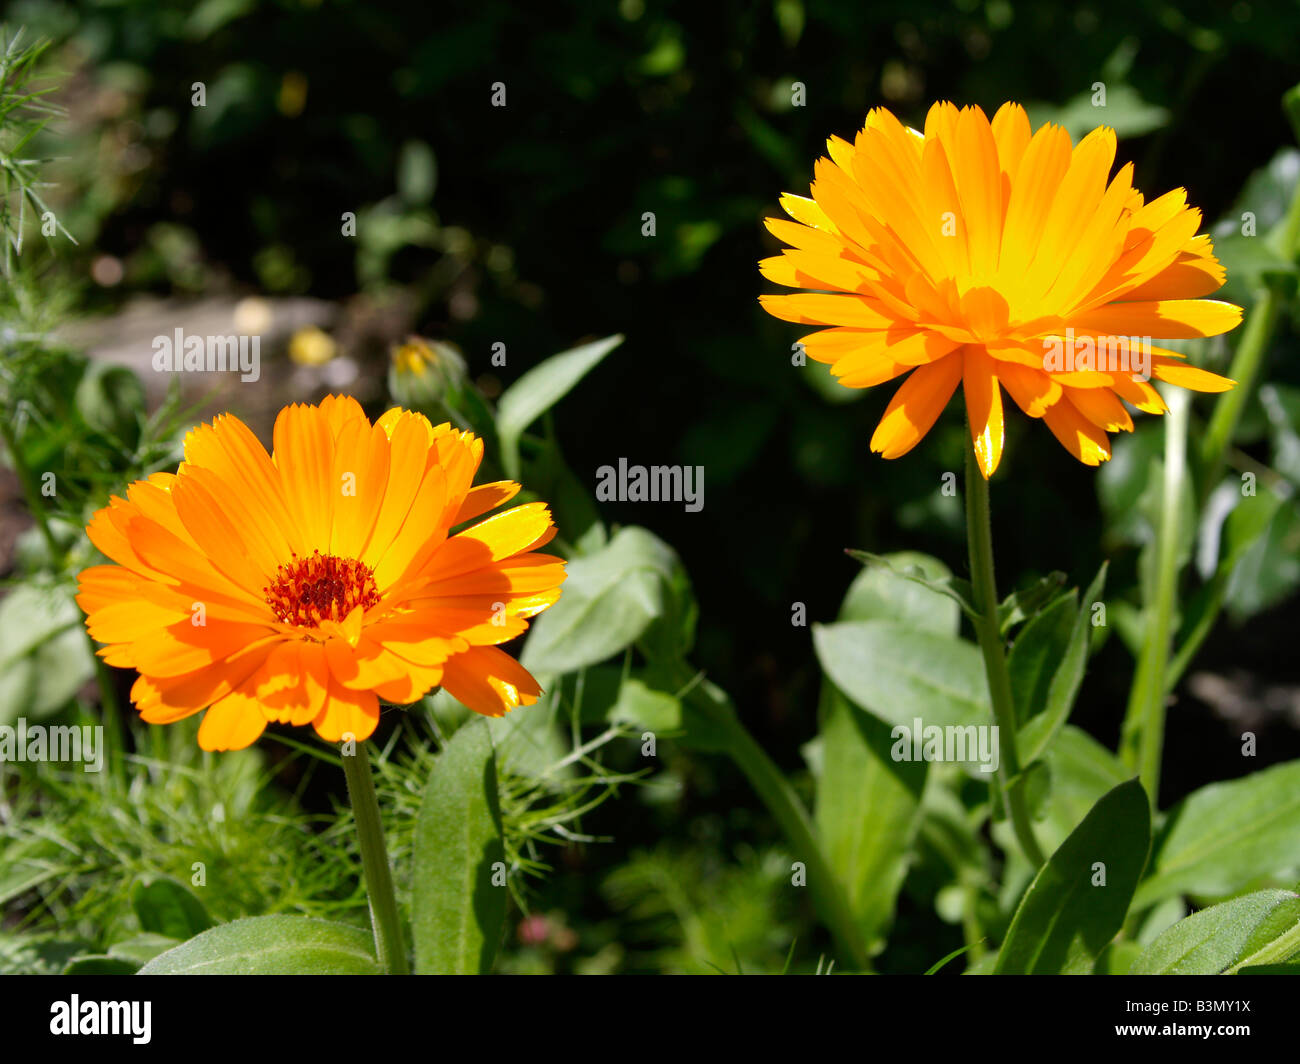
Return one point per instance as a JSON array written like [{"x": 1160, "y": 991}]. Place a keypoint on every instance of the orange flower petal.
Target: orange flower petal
[{"x": 916, "y": 406}]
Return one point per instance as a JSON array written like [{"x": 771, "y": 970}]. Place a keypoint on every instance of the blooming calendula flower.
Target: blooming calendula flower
[
  {"x": 304, "y": 586},
  {"x": 978, "y": 254}
]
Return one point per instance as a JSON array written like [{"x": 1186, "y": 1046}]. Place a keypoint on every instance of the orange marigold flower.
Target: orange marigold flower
[
  {"x": 977, "y": 254},
  {"x": 306, "y": 585}
]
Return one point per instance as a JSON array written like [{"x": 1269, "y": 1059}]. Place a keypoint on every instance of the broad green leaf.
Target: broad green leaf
[
  {"x": 867, "y": 811},
  {"x": 1252, "y": 260},
  {"x": 1123, "y": 109},
  {"x": 1066, "y": 679},
  {"x": 44, "y": 656},
  {"x": 1227, "y": 936},
  {"x": 1248, "y": 519},
  {"x": 1080, "y": 771},
  {"x": 576, "y": 514},
  {"x": 1126, "y": 478},
  {"x": 457, "y": 912},
  {"x": 1269, "y": 569},
  {"x": 609, "y": 696},
  {"x": 1281, "y": 404},
  {"x": 1036, "y": 653},
  {"x": 1067, "y": 916},
  {"x": 868, "y": 805},
  {"x": 900, "y": 673},
  {"x": 109, "y": 399},
  {"x": 956, "y": 589},
  {"x": 1227, "y": 837},
  {"x": 1117, "y": 958},
  {"x": 165, "y": 907},
  {"x": 272, "y": 945},
  {"x": 610, "y": 599},
  {"x": 881, "y": 591},
  {"x": 1024, "y": 604},
  {"x": 544, "y": 385},
  {"x": 642, "y": 706}
]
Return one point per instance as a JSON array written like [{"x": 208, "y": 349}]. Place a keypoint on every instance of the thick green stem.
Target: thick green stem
[
  {"x": 979, "y": 534},
  {"x": 1144, "y": 723},
  {"x": 390, "y": 944}
]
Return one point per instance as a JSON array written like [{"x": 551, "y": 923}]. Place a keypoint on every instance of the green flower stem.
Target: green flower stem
[
  {"x": 390, "y": 944},
  {"x": 1142, "y": 741},
  {"x": 783, "y": 803},
  {"x": 979, "y": 534}
]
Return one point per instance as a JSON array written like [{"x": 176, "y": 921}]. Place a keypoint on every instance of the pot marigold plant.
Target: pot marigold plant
[{"x": 305, "y": 585}]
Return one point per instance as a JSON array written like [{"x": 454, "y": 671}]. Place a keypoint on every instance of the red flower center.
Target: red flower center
[{"x": 321, "y": 587}]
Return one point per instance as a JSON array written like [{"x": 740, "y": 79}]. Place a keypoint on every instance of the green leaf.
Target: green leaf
[
  {"x": 272, "y": 945},
  {"x": 610, "y": 599},
  {"x": 882, "y": 591},
  {"x": 100, "y": 964},
  {"x": 868, "y": 805},
  {"x": 610, "y": 696},
  {"x": 1036, "y": 654},
  {"x": 956, "y": 589},
  {"x": 1082, "y": 771},
  {"x": 934, "y": 968},
  {"x": 1126, "y": 478},
  {"x": 542, "y": 387},
  {"x": 642, "y": 706},
  {"x": 1124, "y": 110},
  {"x": 140, "y": 949},
  {"x": 868, "y": 811},
  {"x": 1066, "y": 679},
  {"x": 571, "y": 501},
  {"x": 1224, "y": 937},
  {"x": 165, "y": 907},
  {"x": 109, "y": 399},
  {"x": 457, "y": 913},
  {"x": 900, "y": 673},
  {"x": 1269, "y": 569},
  {"x": 1227, "y": 837},
  {"x": 1064, "y": 921},
  {"x": 1024, "y": 604},
  {"x": 1117, "y": 958},
  {"x": 44, "y": 657}
]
